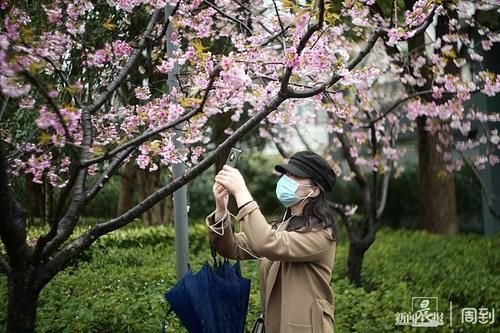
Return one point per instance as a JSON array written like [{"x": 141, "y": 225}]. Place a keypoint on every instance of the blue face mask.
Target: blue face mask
[{"x": 285, "y": 191}]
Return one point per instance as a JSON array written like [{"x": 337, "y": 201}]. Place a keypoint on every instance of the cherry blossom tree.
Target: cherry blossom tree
[{"x": 62, "y": 64}]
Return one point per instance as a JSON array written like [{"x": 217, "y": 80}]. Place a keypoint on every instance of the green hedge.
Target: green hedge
[{"x": 118, "y": 285}]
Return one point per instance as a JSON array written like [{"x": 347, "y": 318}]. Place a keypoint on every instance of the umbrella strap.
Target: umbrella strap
[{"x": 213, "y": 252}]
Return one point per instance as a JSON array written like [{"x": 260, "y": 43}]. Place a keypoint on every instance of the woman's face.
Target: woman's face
[{"x": 303, "y": 191}]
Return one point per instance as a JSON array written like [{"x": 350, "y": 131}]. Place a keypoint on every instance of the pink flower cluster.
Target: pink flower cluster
[
  {"x": 47, "y": 120},
  {"x": 115, "y": 52},
  {"x": 234, "y": 74}
]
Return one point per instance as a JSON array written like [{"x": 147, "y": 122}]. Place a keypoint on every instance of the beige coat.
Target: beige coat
[{"x": 294, "y": 270}]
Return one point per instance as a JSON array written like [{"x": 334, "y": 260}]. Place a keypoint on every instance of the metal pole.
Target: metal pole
[{"x": 180, "y": 196}]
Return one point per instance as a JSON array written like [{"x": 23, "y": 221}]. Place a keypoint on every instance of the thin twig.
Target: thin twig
[
  {"x": 335, "y": 78},
  {"x": 385, "y": 181},
  {"x": 106, "y": 175},
  {"x": 302, "y": 44},
  {"x": 485, "y": 192},
  {"x": 220, "y": 11},
  {"x": 279, "y": 21},
  {"x": 63, "y": 77},
  {"x": 301, "y": 137},
  {"x": 243, "y": 6},
  {"x": 145, "y": 136},
  {"x": 274, "y": 36},
  {"x": 407, "y": 98},
  {"x": 122, "y": 75}
]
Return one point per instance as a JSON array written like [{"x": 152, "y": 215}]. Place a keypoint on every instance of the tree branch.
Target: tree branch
[
  {"x": 302, "y": 44},
  {"x": 279, "y": 21},
  {"x": 122, "y": 75},
  {"x": 64, "y": 194},
  {"x": 354, "y": 62},
  {"x": 426, "y": 23},
  {"x": 106, "y": 175},
  {"x": 87, "y": 238},
  {"x": 220, "y": 11},
  {"x": 335, "y": 78},
  {"x": 61, "y": 230},
  {"x": 281, "y": 149},
  {"x": 485, "y": 193},
  {"x": 147, "y": 135},
  {"x": 63, "y": 77},
  {"x": 278, "y": 145},
  {"x": 384, "y": 190},
  {"x": 346, "y": 219},
  {"x": 405, "y": 99},
  {"x": 273, "y": 36},
  {"x": 301, "y": 137},
  {"x": 385, "y": 182},
  {"x": 360, "y": 179},
  {"x": 396, "y": 104},
  {"x": 243, "y": 6},
  {"x": 346, "y": 148}
]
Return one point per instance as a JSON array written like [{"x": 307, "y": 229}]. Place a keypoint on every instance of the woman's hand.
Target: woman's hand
[
  {"x": 233, "y": 181},
  {"x": 221, "y": 195}
]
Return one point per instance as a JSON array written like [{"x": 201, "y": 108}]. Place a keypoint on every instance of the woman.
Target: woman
[{"x": 296, "y": 253}]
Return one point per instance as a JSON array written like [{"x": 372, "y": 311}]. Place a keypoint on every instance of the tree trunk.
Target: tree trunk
[
  {"x": 148, "y": 182},
  {"x": 22, "y": 304},
  {"x": 360, "y": 240},
  {"x": 127, "y": 189},
  {"x": 355, "y": 263},
  {"x": 437, "y": 186}
]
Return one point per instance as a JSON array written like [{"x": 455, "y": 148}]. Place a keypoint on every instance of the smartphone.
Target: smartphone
[{"x": 233, "y": 157}]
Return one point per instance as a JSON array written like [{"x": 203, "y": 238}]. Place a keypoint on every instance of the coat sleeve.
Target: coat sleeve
[
  {"x": 281, "y": 245},
  {"x": 229, "y": 244}
]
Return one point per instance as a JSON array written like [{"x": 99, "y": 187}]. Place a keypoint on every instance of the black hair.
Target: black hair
[{"x": 316, "y": 215}]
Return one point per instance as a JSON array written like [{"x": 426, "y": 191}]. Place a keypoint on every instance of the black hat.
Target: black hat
[{"x": 310, "y": 165}]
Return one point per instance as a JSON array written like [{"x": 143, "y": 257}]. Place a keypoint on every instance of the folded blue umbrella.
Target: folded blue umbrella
[
  {"x": 214, "y": 300},
  {"x": 183, "y": 305}
]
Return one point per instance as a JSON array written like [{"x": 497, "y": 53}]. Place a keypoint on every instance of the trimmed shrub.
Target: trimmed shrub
[{"x": 119, "y": 283}]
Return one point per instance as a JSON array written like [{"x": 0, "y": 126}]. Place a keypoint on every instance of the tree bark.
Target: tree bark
[
  {"x": 355, "y": 263},
  {"x": 148, "y": 182},
  {"x": 127, "y": 188},
  {"x": 22, "y": 304},
  {"x": 437, "y": 186}
]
